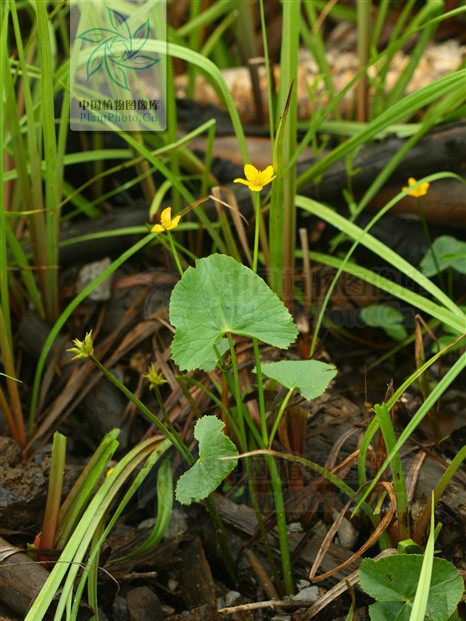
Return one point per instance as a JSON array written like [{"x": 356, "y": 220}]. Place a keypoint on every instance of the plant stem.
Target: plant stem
[
  {"x": 171, "y": 435},
  {"x": 175, "y": 254},
  {"x": 364, "y": 26},
  {"x": 214, "y": 398},
  {"x": 275, "y": 477},
  {"x": 288, "y": 76},
  {"x": 260, "y": 390},
  {"x": 52, "y": 507},
  {"x": 268, "y": 70},
  {"x": 221, "y": 537},
  {"x": 279, "y": 416},
  {"x": 175, "y": 439},
  {"x": 399, "y": 483},
  {"x": 281, "y": 524},
  {"x": 239, "y": 403},
  {"x": 256, "y": 232},
  {"x": 244, "y": 447},
  {"x": 260, "y": 385},
  {"x": 13, "y": 414},
  {"x": 422, "y": 521},
  {"x": 163, "y": 409},
  {"x": 429, "y": 241}
]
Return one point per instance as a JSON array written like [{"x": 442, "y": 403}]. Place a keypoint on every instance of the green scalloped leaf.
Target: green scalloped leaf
[
  {"x": 449, "y": 251},
  {"x": 386, "y": 317},
  {"x": 219, "y": 296},
  {"x": 309, "y": 377},
  {"x": 393, "y": 582},
  {"x": 208, "y": 472}
]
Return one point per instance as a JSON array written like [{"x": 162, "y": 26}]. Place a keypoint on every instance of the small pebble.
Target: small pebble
[
  {"x": 120, "y": 609},
  {"x": 167, "y": 610},
  {"x": 88, "y": 273},
  {"x": 172, "y": 584},
  {"x": 147, "y": 524},
  {"x": 143, "y": 604},
  {"x": 347, "y": 534},
  {"x": 310, "y": 594},
  {"x": 320, "y": 529},
  {"x": 102, "y": 615},
  {"x": 231, "y": 597}
]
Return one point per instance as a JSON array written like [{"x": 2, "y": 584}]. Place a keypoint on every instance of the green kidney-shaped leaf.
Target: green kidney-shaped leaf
[
  {"x": 449, "y": 251},
  {"x": 208, "y": 471},
  {"x": 386, "y": 317},
  {"x": 219, "y": 296},
  {"x": 393, "y": 582},
  {"x": 389, "y": 611},
  {"x": 309, "y": 377}
]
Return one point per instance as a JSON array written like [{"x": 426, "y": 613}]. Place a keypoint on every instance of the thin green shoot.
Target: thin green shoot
[
  {"x": 281, "y": 411},
  {"x": 422, "y": 592}
]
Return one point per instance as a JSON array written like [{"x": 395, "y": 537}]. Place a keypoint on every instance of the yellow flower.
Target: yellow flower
[
  {"x": 256, "y": 179},
  {"x": 419, "y": 191},
  {"x": 166, "y": 222},
  {"x": 84, "y": 348}
]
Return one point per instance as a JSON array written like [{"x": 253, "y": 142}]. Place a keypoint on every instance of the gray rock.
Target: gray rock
[
  {"x": 347, "y": 534},
  {"x": 143, "y": 605},
  {"x": 88, "y": 273},
  {"x": 24, "y": 485},
  {"x": 147, "y": 524},
  {"x": 231, "y": 597},
  {"x": 173, "y": 584},
  {"x": 120, "y": 609},
  {"x": 310, "y": 594},
  {"x": 102, "y": 615}
]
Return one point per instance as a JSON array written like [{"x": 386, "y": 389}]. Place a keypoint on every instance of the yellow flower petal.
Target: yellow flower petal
[
  {"x": 267, "y": 175},
  {"x": 166, "y": 217},
  {"x": 251, "y": 173},
  {"x": 243, "y": 181},
  {"x": 173, "y": 223},
  {"x": 419, "y": 191},
  {"x": 166, "y": 222},
  {"x": 254, "y": 187},
  {"x": 256, "y": 179}
]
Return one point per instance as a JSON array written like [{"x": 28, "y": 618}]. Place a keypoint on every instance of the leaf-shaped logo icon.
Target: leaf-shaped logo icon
[
  {"x": 118, "y": 21},
  {"x": 93, "y": 64},
  {"x": 141, "y": 35},
  {"x": 117, "y": 50},
  {"x": 116, "y": 73},
  {"x": 140, "y": 62},
  {"x": 95, "y": 35}
]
